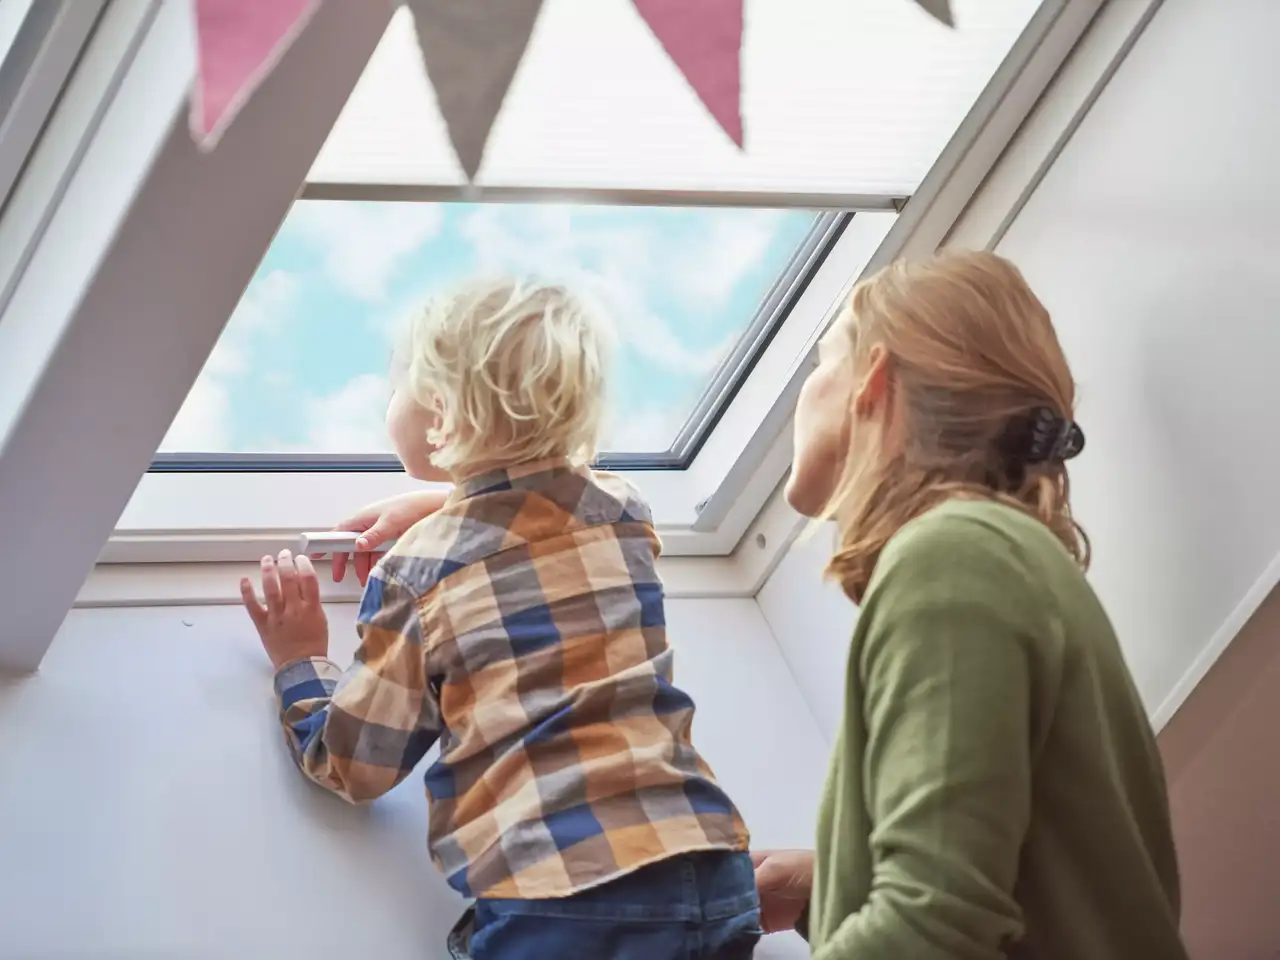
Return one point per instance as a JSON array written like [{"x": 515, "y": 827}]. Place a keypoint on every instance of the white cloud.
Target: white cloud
[
  {"x": 352, "y": 419},
  {"x": 734, "y": 244},
  {"x": 203, "y": 424},
  {"x": 392, "y": 322},
  {"x": 651, "y": 430},
  {"x": 266, "y": 305},
  {"x": 227, "y": 359},
  {"x": 612, "y": 265},
  {"x": 362, "y": 244},
  {"x": 653, "y": 339}
]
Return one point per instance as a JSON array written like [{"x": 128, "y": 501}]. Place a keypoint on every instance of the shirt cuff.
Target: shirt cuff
[
  {"x": 306, "y": 679},
  {"x": 802, "y": 924}
]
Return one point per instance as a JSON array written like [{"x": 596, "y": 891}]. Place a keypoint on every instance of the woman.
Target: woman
[{"x": 996, "y": 790}]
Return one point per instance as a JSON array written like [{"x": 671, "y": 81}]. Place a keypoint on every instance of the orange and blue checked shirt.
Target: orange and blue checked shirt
[{"x": 522, "y": 627}]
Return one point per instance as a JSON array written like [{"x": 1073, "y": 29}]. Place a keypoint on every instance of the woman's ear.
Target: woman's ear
[{"x": 873, "y": 388}]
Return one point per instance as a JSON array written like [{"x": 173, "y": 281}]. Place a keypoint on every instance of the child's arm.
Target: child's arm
[
  {"x": 380, "y": 523},
  {"x": 360, "y": 732}
]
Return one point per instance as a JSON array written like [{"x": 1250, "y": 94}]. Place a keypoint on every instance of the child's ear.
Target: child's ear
[
  {"x": 435, "y": 426},
  {"x": 435, "y": 411}
]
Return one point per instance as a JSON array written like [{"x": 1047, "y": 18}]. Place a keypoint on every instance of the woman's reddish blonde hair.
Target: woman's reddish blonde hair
[{"x": 970, "y": 348}]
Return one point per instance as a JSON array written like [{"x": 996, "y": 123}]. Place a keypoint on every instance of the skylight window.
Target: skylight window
[
  {"x": 126, "y": 249},
  {"x": 867, "y": 125},
  {"x": 847, "y": 107},
  {"x": 299, "y": 377}
]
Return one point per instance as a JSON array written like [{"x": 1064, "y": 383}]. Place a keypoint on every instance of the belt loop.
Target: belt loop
[{"x": 689, "y": 881}]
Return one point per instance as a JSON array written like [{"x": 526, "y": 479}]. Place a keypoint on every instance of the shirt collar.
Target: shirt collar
[{"x": 522, "y": 475}]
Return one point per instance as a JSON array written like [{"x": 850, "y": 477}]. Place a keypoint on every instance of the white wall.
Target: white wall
[
  {"x": 812, "y": 622},
  {"x": 148, "y": 807},
  {"x": 1155, "y": 242}
]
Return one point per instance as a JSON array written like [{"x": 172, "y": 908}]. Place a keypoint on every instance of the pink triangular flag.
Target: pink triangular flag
[
  {"x": 704, "y": 39},
  {"x": 238, "y": 42}
]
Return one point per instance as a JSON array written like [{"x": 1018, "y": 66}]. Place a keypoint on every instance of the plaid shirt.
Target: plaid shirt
[{"x": 521, "y": 626}]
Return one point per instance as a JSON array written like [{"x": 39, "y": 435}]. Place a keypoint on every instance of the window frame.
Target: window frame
[
  {"x": 47, "y": 47},
  {"x": 93, "y": 364},
  {"x": 703, "y": 509},
  {"x": 86, "y": 403}
]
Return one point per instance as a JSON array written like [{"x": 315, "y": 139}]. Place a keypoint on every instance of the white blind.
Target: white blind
[{"x": 839, "y": 96}]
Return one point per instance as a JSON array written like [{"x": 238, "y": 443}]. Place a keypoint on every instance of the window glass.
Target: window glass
[{"x": 301, "y": 369}]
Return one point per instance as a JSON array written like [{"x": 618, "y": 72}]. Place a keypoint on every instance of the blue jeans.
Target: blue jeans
[{"x": 700, "y": 906}]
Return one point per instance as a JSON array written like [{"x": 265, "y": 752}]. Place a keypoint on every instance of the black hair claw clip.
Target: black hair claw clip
[{"x": 1043, "y": 436}]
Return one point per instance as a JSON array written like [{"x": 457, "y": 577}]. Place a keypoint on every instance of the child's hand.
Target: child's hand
[
  {"x": 380, "y": 522},
  {"x": 292, "y": 625}
]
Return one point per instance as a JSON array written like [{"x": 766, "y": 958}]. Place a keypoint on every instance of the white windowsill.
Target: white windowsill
[{"x": 200, "y": 584}]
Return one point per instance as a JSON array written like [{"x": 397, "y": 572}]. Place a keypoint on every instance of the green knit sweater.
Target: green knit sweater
[{"x": 996, "y": 789}]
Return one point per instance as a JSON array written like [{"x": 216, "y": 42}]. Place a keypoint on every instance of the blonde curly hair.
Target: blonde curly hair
[{"x": 513, "y": 369}]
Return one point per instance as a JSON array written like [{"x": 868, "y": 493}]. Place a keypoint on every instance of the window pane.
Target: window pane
[
  {"x": 302, "y": 365},
  {"x": 838, "y": 97}
]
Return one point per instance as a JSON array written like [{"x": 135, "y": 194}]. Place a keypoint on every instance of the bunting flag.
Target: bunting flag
[
  {"x": 704, "y": 40},
  {"x": 238, "y": 42},
  {"x": 471, "y": 51},
  {"x": 940, "y": 10}
]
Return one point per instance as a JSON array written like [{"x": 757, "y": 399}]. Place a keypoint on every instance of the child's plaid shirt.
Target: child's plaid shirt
[{"x": 521, "y": 626}]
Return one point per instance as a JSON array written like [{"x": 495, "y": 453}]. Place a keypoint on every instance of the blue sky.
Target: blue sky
[{"x": 302, "y": 363}]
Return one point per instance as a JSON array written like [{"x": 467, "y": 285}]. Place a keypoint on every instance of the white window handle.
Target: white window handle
[{"x": 333, "y": 541}]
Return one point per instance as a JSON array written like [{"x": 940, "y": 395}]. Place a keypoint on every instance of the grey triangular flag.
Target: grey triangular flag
[
  {"x": 940, "y": 10},
  {"x": 471, "y": 49}
]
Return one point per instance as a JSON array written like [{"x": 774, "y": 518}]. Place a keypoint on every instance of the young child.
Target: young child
[
  {"x": 996, "y": 790},
  {"x": 521, "y": 625}
]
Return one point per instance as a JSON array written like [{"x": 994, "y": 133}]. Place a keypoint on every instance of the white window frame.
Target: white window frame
[
  {"x": 701, "y": 511},
  {"x": 172, "y": 544},
  {"x": 130, "y": 272},
  {"x": 46, "y": 47}
]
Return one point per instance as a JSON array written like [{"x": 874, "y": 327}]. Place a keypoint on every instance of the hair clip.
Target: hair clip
[
  {"x": 1053, "y": 438},
  {"x": 1042, "y": 436}
]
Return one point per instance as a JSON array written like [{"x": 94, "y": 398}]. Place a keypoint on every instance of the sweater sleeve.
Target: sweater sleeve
[{"x": 946, "y": 667}]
